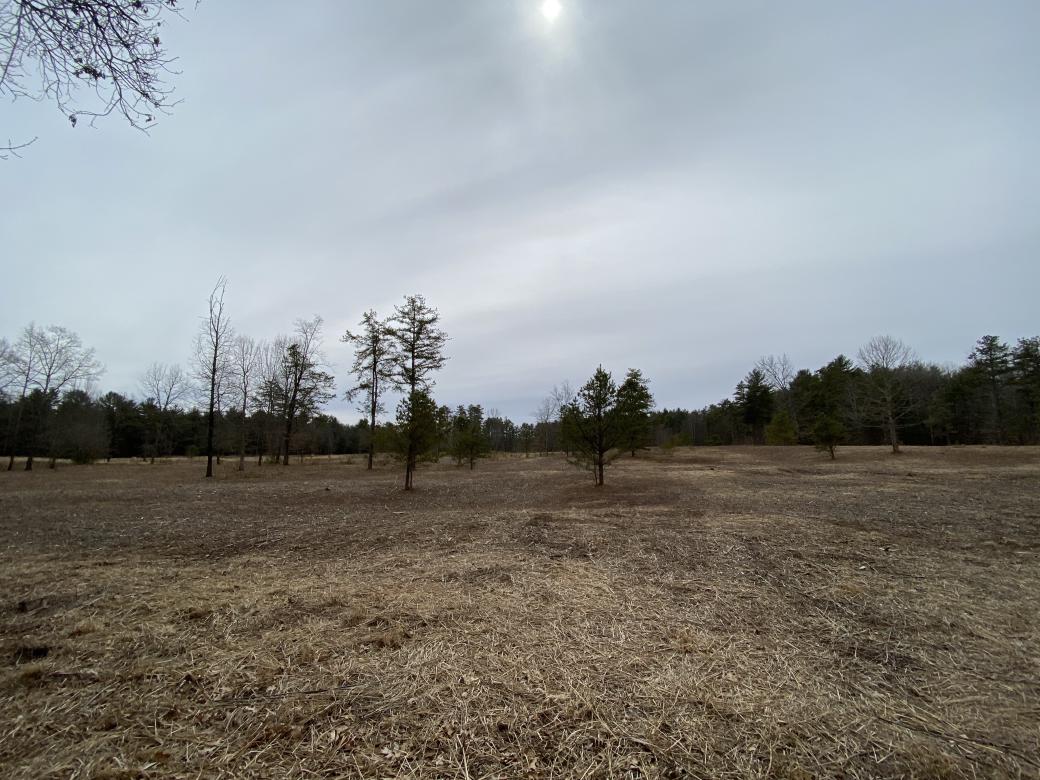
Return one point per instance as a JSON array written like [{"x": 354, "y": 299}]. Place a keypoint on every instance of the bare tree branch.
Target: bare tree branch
[{"x": 50, "y": 49}]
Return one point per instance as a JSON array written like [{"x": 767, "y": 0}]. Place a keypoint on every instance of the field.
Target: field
[{"x": 712, "y": 613}]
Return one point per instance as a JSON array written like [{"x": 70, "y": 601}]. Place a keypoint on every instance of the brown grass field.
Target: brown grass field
[{"x": 709, "y": 613}]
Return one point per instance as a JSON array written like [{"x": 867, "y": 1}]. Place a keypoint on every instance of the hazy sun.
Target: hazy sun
[{"x": 551, "y": 9}]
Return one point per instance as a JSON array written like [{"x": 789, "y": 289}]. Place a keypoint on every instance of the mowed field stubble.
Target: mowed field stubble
[{"x": 712, "y": 613}]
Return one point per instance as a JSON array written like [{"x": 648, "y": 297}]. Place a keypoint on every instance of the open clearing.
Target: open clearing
[{"x": 737, "y": 612}]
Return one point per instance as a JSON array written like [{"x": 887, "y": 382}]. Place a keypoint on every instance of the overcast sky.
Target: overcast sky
[{"x": 678, "y": 186}]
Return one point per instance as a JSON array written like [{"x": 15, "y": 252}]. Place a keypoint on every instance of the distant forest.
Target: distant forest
[{"x": 257, "y": 401}]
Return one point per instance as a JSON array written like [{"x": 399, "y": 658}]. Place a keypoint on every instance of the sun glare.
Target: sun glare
[{"x": 551, "y": 9}]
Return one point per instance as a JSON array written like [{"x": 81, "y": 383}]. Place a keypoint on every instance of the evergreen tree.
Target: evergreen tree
[
  {"x": 527, "y": 435},
  {"x": 991, "y": 361},
  {"x": 754, "y": 396},
  {"x": 590, "y": 425},
  {"x": 373, "y": 367},
  {"x": 1026, "y": 361},
  {"x": 781, "y": 429},
  {"x": 416, "y": 430},
  {"x": 468, "y": 440},
  {"x": 419, "y": 344},
  {"x": 78, "y": 430},
  {"x": 634, "y": 404},
  {"x": 828, "y": 433},
  {"x": 124, "y": 421}
]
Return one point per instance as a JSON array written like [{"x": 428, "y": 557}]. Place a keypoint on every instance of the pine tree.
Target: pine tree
[
  {"x": 419, "y": 344},
  {"x": 373, "y": 368},
  {"x": 469, "y": 441},
  {"x": 1026, "y": 360},
  {"x": 991, "y": 361},
  {"x": 754, "y": 396},
  {"x": 781, "y": 430},
  {"x": 828, "y": 433},
  {"x": 590, "y": 425},
  {"x": 634, "y": 404},
  {"x": 417, "y": 430}
]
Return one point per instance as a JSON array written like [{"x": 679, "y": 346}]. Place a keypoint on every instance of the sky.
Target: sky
[{"x": 676, "y": 186}]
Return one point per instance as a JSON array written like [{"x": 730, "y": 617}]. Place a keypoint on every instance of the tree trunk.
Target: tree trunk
[
  {"x": 374, "y": 399},
  {"x": 33, "y": 437},
  {"x": 284, "y": 454},
  {"x": 893, "y": 436},
  {"x": 242, "y": 438},
  {"x": 210, "y": 419},
  {"x": 289, "y": 415},
  {"x": 372, "y": 433}
]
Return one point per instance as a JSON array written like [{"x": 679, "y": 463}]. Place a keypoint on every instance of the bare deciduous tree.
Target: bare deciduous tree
[
  {"x": 299, "y": 385},
  {"x": 22, "y": 356},
  {"x": 8, "y": 367},
  {"x": 264, "y": 402},
  {"x": 546, "y": 415},
  {"x": 165, "y": 385},
  {"x": 778, "y": 371},
  {"x": 245, "y": 365},
  {"x": 48, "y": 362},
  {"x": 883, "y": 360},
  {"x": 51, "y": 48},
  {"x": 212, "y": 353},
  {"x": 560, "y": 397}
]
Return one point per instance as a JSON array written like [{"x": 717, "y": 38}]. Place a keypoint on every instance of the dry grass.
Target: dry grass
[{"x": 708, "y": 613}]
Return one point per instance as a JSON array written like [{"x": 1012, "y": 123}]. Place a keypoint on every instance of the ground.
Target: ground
[{"x": 713, "y": 613}]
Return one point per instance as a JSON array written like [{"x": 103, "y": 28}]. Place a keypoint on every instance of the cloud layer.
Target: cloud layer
[{"x": 675, "y": 186}]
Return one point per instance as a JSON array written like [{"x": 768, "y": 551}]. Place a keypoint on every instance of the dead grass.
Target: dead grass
[{"x": 709, "y": 613}]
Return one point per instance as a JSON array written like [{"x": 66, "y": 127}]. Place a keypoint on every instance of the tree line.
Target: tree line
[
  {"x": 246, "y": 399},
  {"x": 886, "y": 395}
]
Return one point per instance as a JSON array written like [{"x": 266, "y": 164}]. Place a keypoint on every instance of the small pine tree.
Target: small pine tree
[
  {"x": 527, "y": 435},
  {"x": 468, "y": 441},
  {"x": 590, "y": 426},
  {"x": 417, "y": 430},
  {"x": 781, "y": 429},
  {"x": 828, "y": 433},
  {"x": 634, "y": 404}
]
